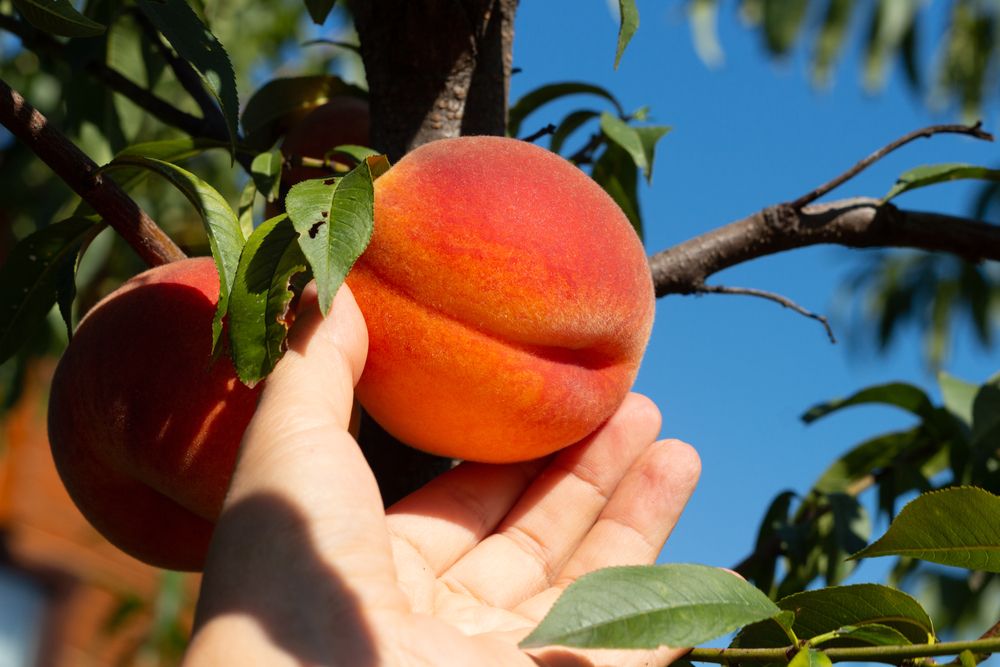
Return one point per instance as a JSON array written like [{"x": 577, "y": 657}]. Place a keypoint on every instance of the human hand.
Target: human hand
[{"x": 306, "y": 568}]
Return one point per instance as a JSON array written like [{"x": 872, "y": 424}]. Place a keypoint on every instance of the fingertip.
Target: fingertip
[
  {"x": 644, "y": 413},
  {"x": 681, "y": 462},
  {"x": 343, "y": 328}
]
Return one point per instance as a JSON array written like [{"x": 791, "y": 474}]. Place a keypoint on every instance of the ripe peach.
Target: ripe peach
[
  {"x": 508, "y": 301},
  {"x": 144, "y": 427}
]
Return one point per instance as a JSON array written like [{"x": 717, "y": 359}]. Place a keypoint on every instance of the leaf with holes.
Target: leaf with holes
[{"x": 334, "y": 218}]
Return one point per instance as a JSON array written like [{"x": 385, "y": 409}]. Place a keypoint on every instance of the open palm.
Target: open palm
[{"x": 307, "y": 568}]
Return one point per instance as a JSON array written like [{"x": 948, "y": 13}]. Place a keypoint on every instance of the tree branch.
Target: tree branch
[
  {"x": 854, "y": 223},
  {"x": 157, "y": 107},
  {"x": 927, "y": 132},
  {"x": 770, "y": 296},
  {"x": 888, "y": 654},
  {"x": 80, "y": 173}
]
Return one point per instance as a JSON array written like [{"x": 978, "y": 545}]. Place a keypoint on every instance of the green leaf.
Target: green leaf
[
  {"x": 568, "y": 126},
  {"x": 959, "y": 526},
  {"x": 629, "y": 24},
  {"x": 775, "y": 520},
  {"x": 847, "y": 528},
  {"x": 334, "y": 218},
  {"x": 873, "y": 634},
  {"x": 808, "y": 657},
  {"x": 931, "y": 174},
  {"x": 902, "y": 395},
  {"x": 319, "y": 9},
  {"x": 195, "y": 43},
  {"x": 638, "y": 142},
  {"x": 265, "y": 170},
  {"x": 58, "y": 17},
  {"x": 225, "y": 237},
  {"x": 890, "y": 24},
  {"x": 703, "y": 16},
  {"x": 782, "y": 22},
  {"x": 30, "y": 276},
  {"x": 650, "y": 606},
  {"x": 258, "y": 303},
  {"x": 831, "y": 40},
  {"x": 244, "y": 210},
  {"x": 279, "y": 102},
  {"x": 615, "y": 171},
  {"x": 986, "y": 415},
  {"x": 957, "y": 396},
  {"x": 865, "y": 459},
  {"x": 553, "y": 91},
  {"x": 822, "y": 611}
]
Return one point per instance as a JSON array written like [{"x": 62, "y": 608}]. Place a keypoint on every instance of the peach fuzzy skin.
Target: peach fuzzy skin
[
  {"x": 507, "y": 297},
  {"x": 144, "y": 429}
]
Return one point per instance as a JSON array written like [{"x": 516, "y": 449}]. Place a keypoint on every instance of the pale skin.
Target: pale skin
[{"x": 306, "y": 568}]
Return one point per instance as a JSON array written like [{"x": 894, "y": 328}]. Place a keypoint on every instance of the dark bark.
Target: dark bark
[
  {"x": 854, "y": 223},
  {"x": 435, "y": 68},
  {"x": 80, "y": 172}
]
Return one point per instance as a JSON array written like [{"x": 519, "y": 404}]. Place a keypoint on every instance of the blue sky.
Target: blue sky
[{"x": 732, "y": 374}]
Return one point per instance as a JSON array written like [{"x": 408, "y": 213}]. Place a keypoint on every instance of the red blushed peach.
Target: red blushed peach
[
  {"x": 144, "y": 428},
  {"x": 507, "y": 297}
]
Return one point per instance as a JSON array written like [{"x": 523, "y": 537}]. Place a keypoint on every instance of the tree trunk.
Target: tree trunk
[{"x": 436, "y": 69}]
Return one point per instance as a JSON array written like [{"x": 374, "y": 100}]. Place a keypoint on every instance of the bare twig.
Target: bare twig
[
  {"x": 970, "y": 130},
  {"x": 159, "y": 108},
  {"x": 548, "y": 129},
  {"x": 770, "y": 296},
  {"x": 854, "y": 223},
  {"x": 80, "y": 173}
]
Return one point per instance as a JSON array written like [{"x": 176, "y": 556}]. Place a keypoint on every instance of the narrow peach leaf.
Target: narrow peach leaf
[
  {"x": 958, "y": 526},
  {"x": 650, "y": 606}
]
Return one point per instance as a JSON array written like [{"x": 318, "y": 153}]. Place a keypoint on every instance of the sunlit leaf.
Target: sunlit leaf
[
  {"x": 265, "y": 170},
  {"x": 638, "y": 142},
  {"x": 58, "y": 17},
  {"x": 334, "y": 219},
  {"x": 873, "y": 634},
  {"x": 704, "y": 18},
  {"x": 650, "y": 606},
  {"x": 831, "y": 38},
  {"x": 629, "y": 14},
  {"x": 958, "y": 526},
  {"x": 931, "y": 174}
]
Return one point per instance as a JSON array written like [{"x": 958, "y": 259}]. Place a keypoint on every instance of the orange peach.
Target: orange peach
[
  {"x": 144, "y": 427},
  {"x": 507, "y": 297}
]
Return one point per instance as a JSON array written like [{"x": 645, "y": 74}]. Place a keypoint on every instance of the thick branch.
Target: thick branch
[
  {"x": 80, "y": 173},
  {"x": 854, "y": 223},
  {"x": 423, "y": 89},
  {"x": 157, "y": 107}
]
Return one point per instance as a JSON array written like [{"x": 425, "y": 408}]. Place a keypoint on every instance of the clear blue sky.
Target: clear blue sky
[{"x": 732, "y": 374}]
